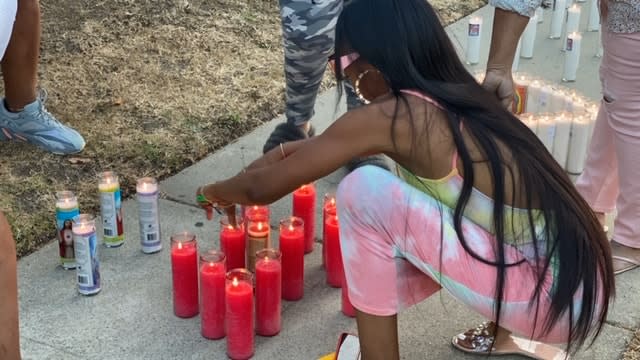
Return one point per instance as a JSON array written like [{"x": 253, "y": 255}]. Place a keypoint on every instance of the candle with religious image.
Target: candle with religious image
[
  {"x": 148, "y": 193},
  {"x": 66, "y": 209},
  {"x": 85, "y": 245},
  {"x": 572, "y": 57},
  {"x": 474, "y": 40},
  {"x": 561, "y": 138},
  {"x": 557, "y": 18},
  {"x": 529, "y": 38},
  {"x": 111, "y": 209}
]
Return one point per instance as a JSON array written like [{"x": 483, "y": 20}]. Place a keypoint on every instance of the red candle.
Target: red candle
[
  {"x": 304, "y": 203},
  {"x": 347, "y": 308},
  {"x": 184, "y": 266},
  {"x": 292, "y": 250},
  {"x": 268, "y": 292},
  {"x": 257, "y": 213},
  {"x": 239, "y": 314},
  {"x": 233, "y": 242},
  {"x": 258, "y": 238},
  {"x": 329, "y": 208},
  {"x": 212, "y": 307},
  {"x": 334, "y": 256}
]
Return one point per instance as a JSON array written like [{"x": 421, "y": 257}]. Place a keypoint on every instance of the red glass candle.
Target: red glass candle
[
  {"x": 184, "y": 266},
  {"x": 268, "y": 292},
  {"x": 212, "y": 307},
  {"x": 233, "y": 242},
  {"x": 347, "y": 308},
  {"x": 304, "y": 204},
  {"x": 257, "y": 213},
  {"x": 292, "y": 250},
  {"x": 239, "y": 314},
  {"x": 334, "y": 268},
  {"x": 328, "y": 208}
]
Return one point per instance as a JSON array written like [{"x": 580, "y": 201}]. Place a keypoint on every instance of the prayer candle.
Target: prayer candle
[
  {"x": 334, "y": 255},
  {"x": 521, "y": 94},
  {"x": 578, "y": 145},
  {"x": 66, "y": 209},
  {"x": 239, "y": 314},
  {"x": 111, "y": 209},
  {"x": 573, "y": 19},
  {"x": 561, "y": 138},
  {"x": 529, "y": 38},
  {"x": 533, "y": 97},
  {"x": 593, "y": 24},
  {"x": 540, "y": 14},
  {"x": 268, "y": 292},
  {"x": 328, "y": 208},
  {"x": 212, "y": 294},
  {"x": 304, "y": 205},
  {"x": 557, "y": 18},
  {"x": 258, "y": 238},
  {"x": 85, "y": 245},
  {"x": 572, "y": 57},
  {"x": 474, "y": 39},
  {"x": 292, "y": 250},
  {"x": 184, "y": 267},
  {"x": 546, "y": 131},
  {"x": 530, "y": 121},
  {"x": 147, "y": 193},
  {"x": 557, "y": 101},
  {"x": 233, "y": 242},
  {"x": 544, "y": 99}
]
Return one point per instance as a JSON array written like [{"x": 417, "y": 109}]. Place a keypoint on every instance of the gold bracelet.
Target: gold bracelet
[{"x": 284, "y": 155}]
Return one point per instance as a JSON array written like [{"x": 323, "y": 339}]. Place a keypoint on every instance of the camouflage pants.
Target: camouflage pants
[{"x": 308, "y": 30}]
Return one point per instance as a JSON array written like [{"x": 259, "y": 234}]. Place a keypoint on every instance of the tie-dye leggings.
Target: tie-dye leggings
[{"x": 394, "y": 257}]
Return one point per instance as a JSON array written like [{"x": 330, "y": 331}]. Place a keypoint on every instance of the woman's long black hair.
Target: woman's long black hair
[{"x": 405, "y": 40}]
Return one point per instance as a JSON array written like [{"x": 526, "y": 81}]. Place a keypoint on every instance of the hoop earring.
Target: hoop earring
[{"x": 356, "y": 86}]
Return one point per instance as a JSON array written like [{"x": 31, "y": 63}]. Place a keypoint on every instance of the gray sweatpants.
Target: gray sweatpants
[{"x": 308, "y": 30}]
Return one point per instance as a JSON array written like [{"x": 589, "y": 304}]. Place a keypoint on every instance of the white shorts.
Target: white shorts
[{"x": 8, "y": 10}]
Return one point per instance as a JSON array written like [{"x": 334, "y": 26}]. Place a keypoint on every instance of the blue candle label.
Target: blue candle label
[
  {"x": 149, "y": 222},
  {"x": 111, "y": 210},
  {"x": 569, "y": 44},
  {"x": 88, "y": 266},
  {"x": 64, "y": 223},
  {"x": 474, "y": 29}
]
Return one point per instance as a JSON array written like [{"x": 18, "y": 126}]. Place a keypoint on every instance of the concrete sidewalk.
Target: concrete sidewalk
[{"x": 132, "y": 317}]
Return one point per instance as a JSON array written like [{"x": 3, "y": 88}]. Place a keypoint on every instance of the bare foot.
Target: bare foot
[{"x": 620, "y": 253}]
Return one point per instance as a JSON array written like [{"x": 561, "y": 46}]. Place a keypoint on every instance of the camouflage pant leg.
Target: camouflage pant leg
[{"x": 308, "y": 28}]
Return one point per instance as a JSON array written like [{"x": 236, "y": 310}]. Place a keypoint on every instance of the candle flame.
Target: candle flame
[
  {"x": 235, "y": 281},
  {"x": 290, "y": 227},
  {"x": 266, "y": 259},
  {"x": 230, "y": 227},
  {"x": 259, "y": 226},
  {"x": 211, "y": 264},
  {"x": 333, "y": 201},
  {"x": 180, "y": 245}
]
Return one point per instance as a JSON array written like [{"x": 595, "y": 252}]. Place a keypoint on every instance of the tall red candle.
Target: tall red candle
[
  {"x": 184, "y": 266},
  {"x": 233, "y": 243},
  {"x": 239, "y": 314},
  {"x": 212, "y": 282},
  {"x": 334, "y": 268},
  {"x": 292, "y": 250},
  {"x": 328, "y": 208},
  {"x": 347, "y": 308},
  {"x": 268, "y": 292},
  {"x": 257, "y": 213},
  {"x": 304, "y": 204}
]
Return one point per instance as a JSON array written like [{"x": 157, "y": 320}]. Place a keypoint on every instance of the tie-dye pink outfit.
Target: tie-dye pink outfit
[{"x": 399, "y": 246}]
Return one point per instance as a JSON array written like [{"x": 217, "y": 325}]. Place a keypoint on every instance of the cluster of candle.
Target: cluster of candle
[
  {"x": 562, "y": 119},
  {"x": 238, "y": 291},
  {"x": 77, "y": 235},
  {"x": 565, "y": 26}
]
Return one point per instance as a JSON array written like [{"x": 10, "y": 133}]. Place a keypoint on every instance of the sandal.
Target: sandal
[
  {"x": 631, "y": 264},
  {"x": 480, "y": 341}
]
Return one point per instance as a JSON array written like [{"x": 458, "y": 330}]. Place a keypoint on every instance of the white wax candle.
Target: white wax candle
[
  {"x": 561, "y": 138},
  {"x": 599, "y": 48},
  {"x": 533, "y": 97},
  {"x": 594, "y": 17},
  {"x": 578, "y": 104},
  {"x": 557, "y": 18},
  {"x": 516, "y": 58},
  {"x": 557, "y": 101},
  {"x": 540, "y": 14},
  {"x": 544, "y": 99},
  {"x": 546, "y": 131},
  {"x": 578, "y": 145},
  {"x": 531, "y": 121},
  {"x": 573, "y": 21},
  {"x": 572, "y": 57},
  {"x": 66, "y": 200},
  {"x": 146, "y": 186},
  {"x": 108, "y": 181},
  {"x": 474, "y": 40},
  {"x": 529, "y": 38}
]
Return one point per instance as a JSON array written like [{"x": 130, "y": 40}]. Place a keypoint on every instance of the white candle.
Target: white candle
[
  {"x": 546, "y": 131},
  {"x": 474, "y": 39},
  {"x": 540, "y": 14},
  {"x": 516, "y": 58},
  {"x": 148, "y": 214},
  {"x": 578, "y": 145},
  {"x": 66, "y": 200},
  {"x": 599, "y": 48},
  {"x": 529, "y": 38},
  {"x": 592, "y": 111},
  {"x": 557, "y": 101},
  {"x": 594, "y": 16},
  {"x": 572, "y": 57},
  {"x": 573, "y": 20},
  {"x": 578, "y": 104},
  {"x": 561, "y": 138},
  {"x": 531, "y": 121},
  {"x": 557, "y": 18},
  {"x": 533, "y": 97},
  {"x": 544, "y": 99}
]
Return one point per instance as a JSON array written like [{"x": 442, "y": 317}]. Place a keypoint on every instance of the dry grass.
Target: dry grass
[
  {"x": 153, "y": 86},
  {"x": 633, "y": 349}
]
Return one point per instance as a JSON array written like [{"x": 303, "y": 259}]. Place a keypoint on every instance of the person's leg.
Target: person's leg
[
  {"x": 20, "y": 63},
  {"x": 7, "y": 16},
  {"x": 9, "y": 331},
  {"x": 378, "y": 336}
]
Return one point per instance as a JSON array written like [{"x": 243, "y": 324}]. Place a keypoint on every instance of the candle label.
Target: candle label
[
  {"x": 64, "y": 223},
  {"x": 474, "y": 29},
  {"x": 86, "y": 251},
  {"x": 569, "y": 44},
  {"x": 111, "y": 209},
  {"x": 149, "y": 222},
  {"x": 520, "y": 99}
]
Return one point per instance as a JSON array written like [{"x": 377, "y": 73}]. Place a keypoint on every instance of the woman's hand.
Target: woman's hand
[
  {"x": 500, "y": 83},
  {"x": 209, "y": 202}
]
